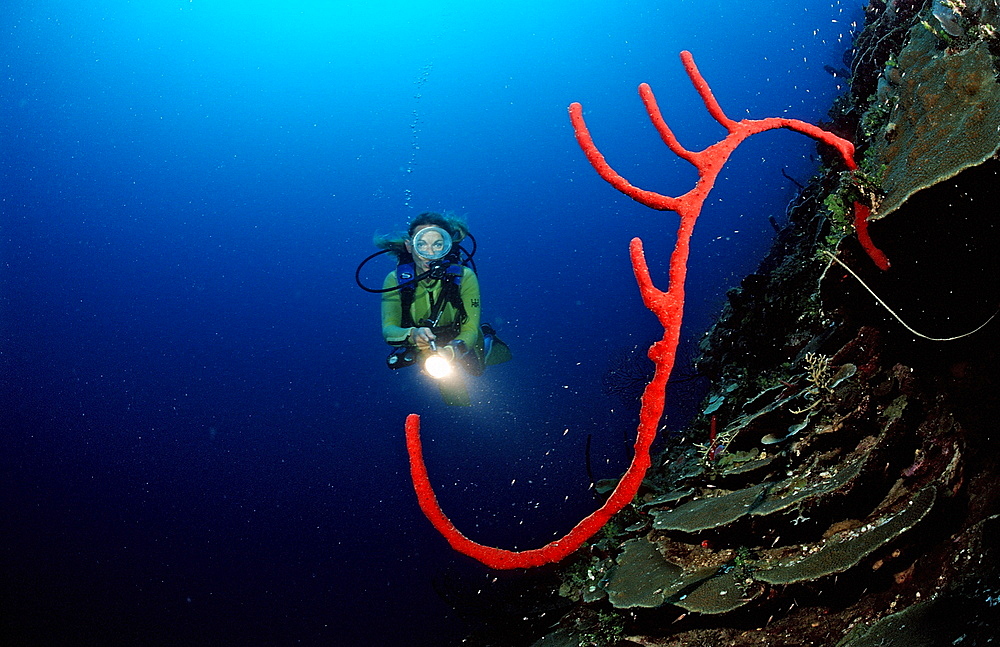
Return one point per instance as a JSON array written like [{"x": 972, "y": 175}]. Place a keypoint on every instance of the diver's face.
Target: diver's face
[{"x": 428, "y": 244}]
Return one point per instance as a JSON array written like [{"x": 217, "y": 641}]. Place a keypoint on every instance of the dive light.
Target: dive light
[{"x": 436, "y": 364}]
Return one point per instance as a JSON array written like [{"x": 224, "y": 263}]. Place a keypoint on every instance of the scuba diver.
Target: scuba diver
[{"x": 431, "y": 305}]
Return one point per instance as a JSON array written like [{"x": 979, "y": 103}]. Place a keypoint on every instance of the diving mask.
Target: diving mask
[{"x": 431, "y": 243}]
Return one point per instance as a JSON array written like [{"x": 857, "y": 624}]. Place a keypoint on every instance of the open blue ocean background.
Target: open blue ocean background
[{"x": 201, "y": 444}]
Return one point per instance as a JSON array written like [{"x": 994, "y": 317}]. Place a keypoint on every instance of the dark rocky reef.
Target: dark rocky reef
[{"x": 848, "y": 496}]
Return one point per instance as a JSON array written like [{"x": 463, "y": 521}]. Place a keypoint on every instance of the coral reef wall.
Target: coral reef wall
[{"x": 839, "y": 486}]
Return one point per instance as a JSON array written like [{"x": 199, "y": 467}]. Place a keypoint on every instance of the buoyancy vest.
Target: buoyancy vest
[{"x": 451, "y": 292}]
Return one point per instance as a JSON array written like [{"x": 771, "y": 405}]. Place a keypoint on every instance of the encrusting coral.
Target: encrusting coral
[{"x": 947, "y": 105}]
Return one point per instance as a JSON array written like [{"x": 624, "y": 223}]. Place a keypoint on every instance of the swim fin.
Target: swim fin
[
  {"x": 495, "y": 351},
  {"x": 454, "y": 393}
]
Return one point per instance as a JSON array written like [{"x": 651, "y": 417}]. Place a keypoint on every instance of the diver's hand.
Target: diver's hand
[{"x": 422, "y": 338}]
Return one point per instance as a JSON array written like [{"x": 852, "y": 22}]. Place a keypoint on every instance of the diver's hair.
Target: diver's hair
[
  {"x": 451, "y": 223},
  {"x": 396, "y": 243}
]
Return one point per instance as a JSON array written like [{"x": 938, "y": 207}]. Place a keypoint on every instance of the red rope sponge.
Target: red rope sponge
[{"x": 667, "y": 306}]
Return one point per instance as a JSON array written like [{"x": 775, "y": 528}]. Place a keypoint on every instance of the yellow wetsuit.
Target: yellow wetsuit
[{"x": 425, "y": 295}]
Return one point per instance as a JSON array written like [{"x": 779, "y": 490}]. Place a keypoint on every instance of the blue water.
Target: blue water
[{"x": 201, "y": 442}]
